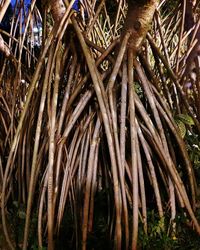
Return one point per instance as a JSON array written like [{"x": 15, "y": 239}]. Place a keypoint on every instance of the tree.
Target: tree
[{"x": 95, "y": 114}]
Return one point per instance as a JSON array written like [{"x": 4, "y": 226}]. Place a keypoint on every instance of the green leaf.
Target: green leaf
[
  {"x": 186, "y": 119},
  {"x": 15, "y": 203},
  {"x": 22, "y": 215},
  {"x": 181, "y": 127}
]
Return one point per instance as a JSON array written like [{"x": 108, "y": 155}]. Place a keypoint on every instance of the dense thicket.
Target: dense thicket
[{"x": 99, "y": 122}]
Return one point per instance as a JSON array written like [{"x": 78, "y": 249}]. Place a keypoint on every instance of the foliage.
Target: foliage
[
  {"x": 160, "y": 238},
  {"x": 181, "y": 121},
  {"x": 193, "y": 146}
]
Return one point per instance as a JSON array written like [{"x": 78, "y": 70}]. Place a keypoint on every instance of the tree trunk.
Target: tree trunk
[{"x": 138, "y": 21}]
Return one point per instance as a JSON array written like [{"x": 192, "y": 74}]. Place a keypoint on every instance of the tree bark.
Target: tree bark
[
  {"x": 57, "y": 9},
  {"x": 3, "y": 47},
  {"x": 138, "y": 21},
  {"x": 3, "y": 9}
]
